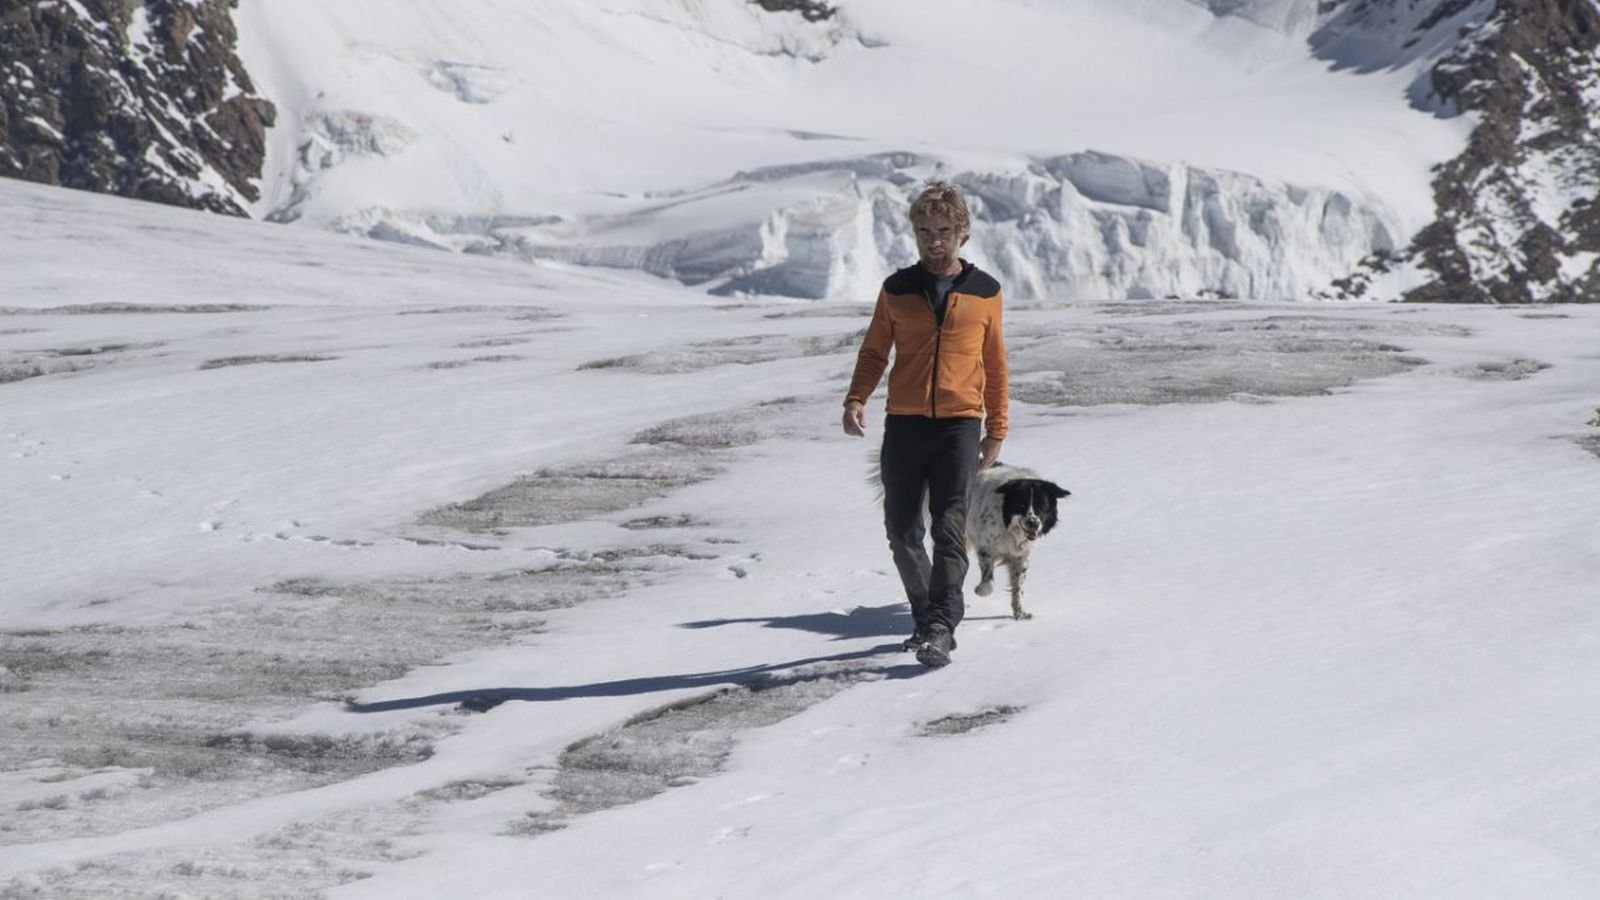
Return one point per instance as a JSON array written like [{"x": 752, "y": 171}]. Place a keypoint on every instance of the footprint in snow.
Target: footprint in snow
[{"x": 729, "y": 833}]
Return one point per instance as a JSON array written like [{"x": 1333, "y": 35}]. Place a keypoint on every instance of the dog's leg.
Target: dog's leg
[
  {"x": 1019, "y": 570},
  {"x": 985, "y": 575}
]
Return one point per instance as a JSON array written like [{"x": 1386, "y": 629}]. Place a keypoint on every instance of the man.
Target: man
[{"x": 942, "y": 319}]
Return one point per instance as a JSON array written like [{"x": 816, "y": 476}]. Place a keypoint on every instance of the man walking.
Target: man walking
[{"x": 941, "y": 317}]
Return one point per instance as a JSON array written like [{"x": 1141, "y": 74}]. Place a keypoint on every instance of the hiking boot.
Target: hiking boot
[
  {"x": 920, "y": 637},
  {"x": 936, "y": 646}
]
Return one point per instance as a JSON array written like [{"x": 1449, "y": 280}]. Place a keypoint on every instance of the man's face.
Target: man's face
[{"x": 938, "y": 243}]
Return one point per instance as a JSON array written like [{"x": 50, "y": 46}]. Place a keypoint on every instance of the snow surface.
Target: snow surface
[
  {"x": 1319, "y": 619},
  {"x": 565, "y": 132}
]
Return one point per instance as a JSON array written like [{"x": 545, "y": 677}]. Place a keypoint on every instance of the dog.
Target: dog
[{"x": 1008, "y": 510}]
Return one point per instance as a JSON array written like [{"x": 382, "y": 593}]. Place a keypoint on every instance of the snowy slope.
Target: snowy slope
[
  {"x": 743, "y": 151},
  {"x": 602, "y": 585}
]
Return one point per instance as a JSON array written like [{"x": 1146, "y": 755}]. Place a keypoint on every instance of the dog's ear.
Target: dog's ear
[
  {"x": 1020, "y": 491},
  {"x": 1056, "y": 490}
]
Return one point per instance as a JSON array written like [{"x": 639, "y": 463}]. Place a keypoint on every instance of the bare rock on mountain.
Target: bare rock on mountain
[
  {"x": 1518, "y": 212},
  {"x": 144, "y": 99},
  {"x": 812, "y": 10},
  {"x": 1518, "y": 221}
]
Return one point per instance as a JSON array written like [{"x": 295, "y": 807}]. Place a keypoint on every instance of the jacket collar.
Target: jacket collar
[{"x": 928, "y": 277}]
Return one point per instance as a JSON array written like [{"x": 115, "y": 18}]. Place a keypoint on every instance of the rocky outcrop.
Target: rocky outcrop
[
  {"x": 1519, "y": 210},
  {"x": 812, "y": 10},
  {"x": 141, "y": 98},
  {"x": 1518, "y": 215}
]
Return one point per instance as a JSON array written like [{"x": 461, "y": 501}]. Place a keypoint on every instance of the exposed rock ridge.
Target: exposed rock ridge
[
  {"x": 812, "y": 10},
  {"x": 1518, "y": 220},
  {"x": 1519, "y": 210},
  {"x": 140, "y": 98}
]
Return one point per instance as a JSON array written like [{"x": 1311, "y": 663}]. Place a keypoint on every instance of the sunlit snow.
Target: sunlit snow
[
  {"x": 345, "y": 567},
  {"x": 1120, "y": 149}
]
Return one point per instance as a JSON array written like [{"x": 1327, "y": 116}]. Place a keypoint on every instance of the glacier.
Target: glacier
[
  {"x": 1160, "y": 148},
  {"x": 1084, "y": 224}
]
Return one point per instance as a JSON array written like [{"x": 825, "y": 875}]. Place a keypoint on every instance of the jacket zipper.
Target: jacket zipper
[
  {"x": 938, "y": 339},
  {"x": 938, "y": 335}
]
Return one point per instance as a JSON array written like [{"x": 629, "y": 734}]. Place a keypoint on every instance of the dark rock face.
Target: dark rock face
[
  {"x": 1519, "y": 210},
  {"x": 1517, "y": 213},
  {"x": 141, "y": 98},
  {"x": 813, "y": 10}
]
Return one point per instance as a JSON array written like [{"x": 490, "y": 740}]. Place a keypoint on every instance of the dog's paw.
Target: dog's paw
[
  {"x": 1020, "y": 615},
  {"x": 984, "y": 588}
]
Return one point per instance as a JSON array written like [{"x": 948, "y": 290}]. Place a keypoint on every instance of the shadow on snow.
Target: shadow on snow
[
  {"x": 863, "y": 621},
  {"x": 758, "y": 677}
]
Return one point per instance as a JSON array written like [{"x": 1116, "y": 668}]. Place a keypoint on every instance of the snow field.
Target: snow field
[{"x": 1315, "y": 623}]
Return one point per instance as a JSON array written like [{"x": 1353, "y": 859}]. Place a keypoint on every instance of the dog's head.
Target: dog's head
[{"x": 1029, "y": 507}]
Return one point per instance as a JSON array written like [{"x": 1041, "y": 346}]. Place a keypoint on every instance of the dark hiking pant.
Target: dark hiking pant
[{"x": 932, "y": 460}]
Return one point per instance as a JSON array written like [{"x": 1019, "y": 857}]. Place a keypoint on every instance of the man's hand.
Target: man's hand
[
  {"x": 988, "y": 452},
  {"x": 855, "y": 419}
]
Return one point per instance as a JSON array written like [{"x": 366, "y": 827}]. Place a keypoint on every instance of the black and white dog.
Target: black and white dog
[{"x": 1008, "y": 510}]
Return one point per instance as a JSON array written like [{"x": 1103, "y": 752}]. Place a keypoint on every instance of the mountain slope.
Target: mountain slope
[
  {"x": 1518, "y": 214},
  {"x": 1388, "y": 149},
  {"x": 145, "y": 100},
  {"x": 440, "y": 129}
]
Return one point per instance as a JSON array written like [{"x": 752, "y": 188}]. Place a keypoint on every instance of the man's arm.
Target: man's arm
[
  {"x": 996, "y": 388},
  {"x": 871, "y": 360}
]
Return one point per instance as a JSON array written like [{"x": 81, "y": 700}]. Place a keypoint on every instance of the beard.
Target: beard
[{"x": 940, "y": 261}]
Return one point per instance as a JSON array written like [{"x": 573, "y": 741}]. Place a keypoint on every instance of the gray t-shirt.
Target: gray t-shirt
[{"x": 941, "y": 295}]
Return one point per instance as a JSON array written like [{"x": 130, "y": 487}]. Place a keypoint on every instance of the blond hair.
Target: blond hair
[{"x": 944, "y": 200}]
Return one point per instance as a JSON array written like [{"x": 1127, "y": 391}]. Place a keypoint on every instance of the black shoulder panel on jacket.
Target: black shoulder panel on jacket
[
  {"x": 977, "y": 283},
  {"x": 909, "y": 280}
]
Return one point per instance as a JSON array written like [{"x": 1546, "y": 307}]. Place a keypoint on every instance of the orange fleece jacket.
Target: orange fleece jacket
[{"x": 957, "y": 371}]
